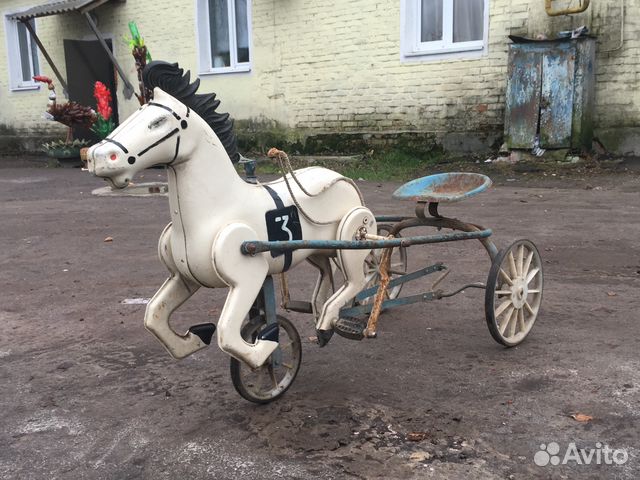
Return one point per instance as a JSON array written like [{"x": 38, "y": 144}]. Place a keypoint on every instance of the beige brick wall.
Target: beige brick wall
[
  {"x": 23, "y": 110},
  {"x": 335, "y": 65}
]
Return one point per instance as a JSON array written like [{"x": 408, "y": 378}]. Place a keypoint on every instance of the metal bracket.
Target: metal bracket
[{"x": 128, "y": 88}]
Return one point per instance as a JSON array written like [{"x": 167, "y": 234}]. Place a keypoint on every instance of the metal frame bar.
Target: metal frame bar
[
  {"x": 268, "y": 294},
  {"x": 255, "y": 246},
  {"x": 128, "y": 88},
  {"x": 396, "y": 302},
  {"x": 369, "y": 292}
]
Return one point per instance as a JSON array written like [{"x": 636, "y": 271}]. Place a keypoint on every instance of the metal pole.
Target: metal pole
[
  {"x": 128, "y": 88},
  {"x": 57, "y": 73}
]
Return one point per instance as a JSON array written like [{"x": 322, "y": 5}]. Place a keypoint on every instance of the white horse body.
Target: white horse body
[
  {"x": 206, "y": 207},
  {"x": 213, "y": 211}
]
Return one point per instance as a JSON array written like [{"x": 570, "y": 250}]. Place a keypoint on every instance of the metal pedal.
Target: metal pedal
[{"x": 351, "y": 328}]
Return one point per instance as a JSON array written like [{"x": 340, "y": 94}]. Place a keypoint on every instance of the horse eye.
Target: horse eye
[{"x": 157, "y": 122}]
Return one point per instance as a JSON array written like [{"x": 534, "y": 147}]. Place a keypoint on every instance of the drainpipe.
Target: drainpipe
[{"x": 584, "y": 4}]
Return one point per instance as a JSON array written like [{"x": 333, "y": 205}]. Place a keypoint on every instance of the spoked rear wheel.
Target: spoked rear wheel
[
  {"x": 398, "y": 266},
  {"x": 514, "y": 292},
  {"x": 270, "y": 381}
]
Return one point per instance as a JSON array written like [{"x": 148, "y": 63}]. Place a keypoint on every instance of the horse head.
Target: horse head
[
  {"x": 166, "y": 130},
  {"x": 153, "y": 135}
]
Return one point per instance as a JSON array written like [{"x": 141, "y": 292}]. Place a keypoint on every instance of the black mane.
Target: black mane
[{"x": 169, "y": 77}]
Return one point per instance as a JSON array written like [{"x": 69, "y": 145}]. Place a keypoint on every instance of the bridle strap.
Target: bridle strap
[
  {"x": 167, "y": 109},
  {"x": 155, "y": 144},
  {"x": 158, "y": 142},
  {"x": 122, "y": 147}
]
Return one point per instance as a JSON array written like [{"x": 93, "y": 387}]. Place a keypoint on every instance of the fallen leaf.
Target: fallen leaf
[
  {"x": 419, "y": 456},
  {"x": 581, "y": 417},
  {"x": 416, "y": 436},
  {"x": 612, "y": 294},
  {"x": 313, "y": 339},
  {"x": 108, "y": 239}
]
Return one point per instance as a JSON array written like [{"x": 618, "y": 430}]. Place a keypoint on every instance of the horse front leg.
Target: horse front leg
[
  {"x": 173, "y": 293},
  {"x": 245, "y": 276}
]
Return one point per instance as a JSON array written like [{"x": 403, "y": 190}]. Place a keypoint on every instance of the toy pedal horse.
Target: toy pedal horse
[{"x": 213, "y": 211}]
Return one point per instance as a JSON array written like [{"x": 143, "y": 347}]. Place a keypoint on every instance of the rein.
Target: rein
[{"x": 286, "y": 168}]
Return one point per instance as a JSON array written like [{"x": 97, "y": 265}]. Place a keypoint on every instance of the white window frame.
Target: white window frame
[
  {"x": 204, "y": 40},
  {"x": 413, "y": 48},
  {"x": 16, "y": 83}
]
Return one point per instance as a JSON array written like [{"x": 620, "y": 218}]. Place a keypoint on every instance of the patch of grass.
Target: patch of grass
[{"x": 392, "y": 165}]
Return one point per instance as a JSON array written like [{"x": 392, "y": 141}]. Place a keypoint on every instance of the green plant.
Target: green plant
[
  {"x": 141, "y": 56},
  {"x": 64, "y": 147}
]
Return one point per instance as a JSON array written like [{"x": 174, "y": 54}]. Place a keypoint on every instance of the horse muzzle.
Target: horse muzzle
[{"x": 107, "y": 161}]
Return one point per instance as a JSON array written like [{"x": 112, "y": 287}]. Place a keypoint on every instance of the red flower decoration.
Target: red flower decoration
[
  {"x": 43, "y": 79},
  {"x": 103, "y": 96}
]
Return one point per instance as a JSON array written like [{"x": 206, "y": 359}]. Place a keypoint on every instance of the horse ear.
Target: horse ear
[{"x": 159, "y": 94}]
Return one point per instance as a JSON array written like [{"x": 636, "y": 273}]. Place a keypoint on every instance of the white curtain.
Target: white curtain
[
  {"x": 219, "y": 29},
  {"x": 468, "y": 20},
  {"x": 242, "y": 31},
  {"x": 241, "y": 24},
  {"x": 431, "y": 20}
]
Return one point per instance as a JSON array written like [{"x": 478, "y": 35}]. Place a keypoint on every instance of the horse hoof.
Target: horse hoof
[
  {"x": 270, "y": 332},
  {"x": 204, "y": 331},
  {"x": 324, "y": 336}
]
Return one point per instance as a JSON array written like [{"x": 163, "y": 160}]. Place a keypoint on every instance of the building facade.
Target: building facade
[{"x": 332, "y": 73}]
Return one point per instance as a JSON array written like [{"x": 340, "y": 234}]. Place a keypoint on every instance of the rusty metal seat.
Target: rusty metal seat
[{"x": 443, "y": 187}]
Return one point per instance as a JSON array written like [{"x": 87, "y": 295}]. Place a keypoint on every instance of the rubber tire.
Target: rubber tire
[{"x": 249, "y": 333}]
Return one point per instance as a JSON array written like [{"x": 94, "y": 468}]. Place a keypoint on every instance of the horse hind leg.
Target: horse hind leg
[
  {"x": 352, "y": 264},
  {"x": 324, "y": 285}
]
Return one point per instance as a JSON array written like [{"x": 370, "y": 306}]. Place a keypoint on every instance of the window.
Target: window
[
  {"x": 440, "y": 27},
  {"x": 224, "y": 28},
  {"x": 23, "y": 55}
]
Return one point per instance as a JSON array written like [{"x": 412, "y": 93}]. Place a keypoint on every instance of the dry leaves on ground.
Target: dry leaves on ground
[{"x": 581, "y": 417}]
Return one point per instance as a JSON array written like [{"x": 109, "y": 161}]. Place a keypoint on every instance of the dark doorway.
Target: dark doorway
[{"x": 87, "y": 63}]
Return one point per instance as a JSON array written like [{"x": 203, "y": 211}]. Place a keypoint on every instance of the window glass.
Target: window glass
[
  {"x": 468, "y": 20},
  {"x": 23, "y": 45},
  {"x": 34, "y": 53},
  {"x": 431, "y": 21},
  {"x": 219, "y": 29}
]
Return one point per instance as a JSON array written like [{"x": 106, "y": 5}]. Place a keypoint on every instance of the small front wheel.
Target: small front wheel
[
  {"x": 514, "y": 292},
  {"x": 268, "y": 382}
]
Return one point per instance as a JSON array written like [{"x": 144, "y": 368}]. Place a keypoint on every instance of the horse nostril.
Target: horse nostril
[
  {"x": 113, "y": 156},
  {"x": 131, "y": 160}
]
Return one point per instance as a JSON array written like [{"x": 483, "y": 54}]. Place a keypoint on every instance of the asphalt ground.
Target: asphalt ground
[{"x": 87, "y": 393}]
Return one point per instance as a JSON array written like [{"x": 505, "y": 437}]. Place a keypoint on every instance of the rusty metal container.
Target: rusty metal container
[{"x": 550, "y": 93}]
